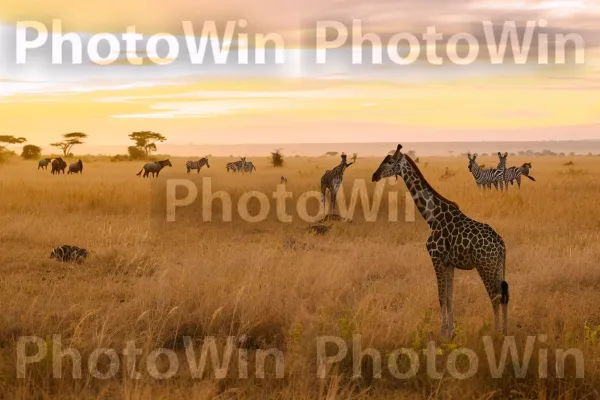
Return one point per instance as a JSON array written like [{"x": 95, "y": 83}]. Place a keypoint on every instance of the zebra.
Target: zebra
[
  {"x": 43, "y": 164},
  {"x": 332, "y": 180},
  {"x": 248, "y": 167},
  {"x": 231, "y": 167},
  {"x": 237, "y": 165},
  {"x": 283, "y": 179},
  {"x": 514, "y": 174},
  {"x": 484, "y": 177},
  {"x": 58, "y": 165},
  {"x": 190, "y": 165},
  {"x": 154, "y": 167},
  {"x": 68, "y": 253},
  {"x": 76, "y": 168}
]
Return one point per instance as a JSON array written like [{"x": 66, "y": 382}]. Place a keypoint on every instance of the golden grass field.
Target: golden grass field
[{"x": 155, "y": 282}]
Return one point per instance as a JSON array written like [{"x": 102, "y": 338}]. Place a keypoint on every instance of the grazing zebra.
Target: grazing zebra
[
  {"x": 283, "y": 179},
  {"x": 190, "y": 165},
  {"x": 154, "y": 167},
  {"x": 514, "y": 174},
  {"x": 58, "y": 165},
  {"x": 43, "y": 164},
  {"x": 248, "y": 167},
  {"x": 484, "y": 177},
  {"x": 332, "y": 180},
  {"x": 76, "y": 168},
  {"x": 231, "y": 167},
  {"x": 237, "y": 165}
]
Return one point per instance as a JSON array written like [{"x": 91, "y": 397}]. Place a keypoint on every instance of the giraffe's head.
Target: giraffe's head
[
  {"x": 389, "y": 165},
  {"x": 472, "y": 160}
]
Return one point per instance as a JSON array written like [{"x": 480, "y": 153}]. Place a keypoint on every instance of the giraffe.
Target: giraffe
[
  {"x": 332, "y": 180},
  {"x": 456, "y": 241}
]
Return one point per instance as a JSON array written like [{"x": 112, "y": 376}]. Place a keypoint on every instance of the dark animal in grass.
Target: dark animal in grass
[
  {"x": 319, "y": 229},
  {"x": 154, "y": 168},
  {"x": 69, "y": 254},
  {"x": 334, "y": 217},
  {"x": 58, "y": 166},
  {"x": 76, "y": 168},
  {"x": 43, "y": 164}
]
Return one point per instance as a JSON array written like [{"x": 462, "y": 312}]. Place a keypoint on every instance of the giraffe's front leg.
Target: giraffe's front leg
[
  {"x": 435, "y": 249},
  {"x": 336, "y": 186},
  {"x": 449, "y": 272}
]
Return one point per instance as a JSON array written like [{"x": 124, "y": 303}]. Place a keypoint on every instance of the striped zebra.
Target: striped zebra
[
  {"x": 237, "y": 165},
  {"x": 248, "y": 167},
  {"x": 485, "y": 178},
  {"x": 190, "y": 165},
  {"x": 514, "y": 174}
]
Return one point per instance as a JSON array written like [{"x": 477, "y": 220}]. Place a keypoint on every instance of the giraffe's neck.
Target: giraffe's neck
[
  {"x": 339, "y": 170},
  {"x": 430, "y": 204}
]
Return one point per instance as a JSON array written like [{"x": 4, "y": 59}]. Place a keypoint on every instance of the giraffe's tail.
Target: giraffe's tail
[{"x": 504, "y": 292}]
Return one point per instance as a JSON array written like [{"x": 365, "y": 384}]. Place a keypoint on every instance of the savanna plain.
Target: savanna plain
[{"x": 275, "y": 285}]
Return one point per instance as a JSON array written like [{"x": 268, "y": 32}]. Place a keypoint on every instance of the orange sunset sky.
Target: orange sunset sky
[{"x": 298, "y": 102}]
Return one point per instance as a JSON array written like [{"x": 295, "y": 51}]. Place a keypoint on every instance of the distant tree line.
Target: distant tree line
[{"x": 145, "y": 145}]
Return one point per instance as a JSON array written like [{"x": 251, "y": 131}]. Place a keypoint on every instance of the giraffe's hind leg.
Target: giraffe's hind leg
[
  {"x": 493, "y": 286},
  {"x": 449, "y": 272}
]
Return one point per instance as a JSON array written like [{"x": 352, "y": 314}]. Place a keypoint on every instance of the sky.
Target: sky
[{"x": 299, "y": 101}]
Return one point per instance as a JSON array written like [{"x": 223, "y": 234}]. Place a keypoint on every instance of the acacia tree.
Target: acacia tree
[
  {"x": 31, "y": 151},
  {"x": 8, "y": 139},
  {"x": 146, "y": 140},
  {"x": 71, "y": 139}
]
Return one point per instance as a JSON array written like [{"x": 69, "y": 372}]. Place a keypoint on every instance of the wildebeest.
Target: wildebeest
[
  {"x": 76, "y": 168},
  {"x": 69, "y": 253},
  {"x": 43, "y": 164},
  {"x": 154, "y": 167},
  {"x": 58, "y": 166}
]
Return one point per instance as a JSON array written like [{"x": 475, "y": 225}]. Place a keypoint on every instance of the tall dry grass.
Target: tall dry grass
[{"x": 155, "y": 282}]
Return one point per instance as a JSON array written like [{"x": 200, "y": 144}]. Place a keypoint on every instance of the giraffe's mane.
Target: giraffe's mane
[{"x": 420, "y": 174}]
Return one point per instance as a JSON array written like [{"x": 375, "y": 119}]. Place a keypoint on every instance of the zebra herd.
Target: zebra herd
[
  {"x": 499, "y": 176},
  {"x": 155, "y": 167}
]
